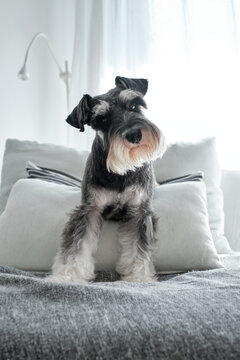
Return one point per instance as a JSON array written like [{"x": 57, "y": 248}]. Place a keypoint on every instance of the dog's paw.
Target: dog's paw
[
  {"x": 138, "y": 278},
  {"x": 65, "y": 279},
  {"x": 55, "y": 278}
]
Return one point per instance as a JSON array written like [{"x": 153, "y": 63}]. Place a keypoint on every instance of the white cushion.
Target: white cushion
[
  {"x": 186, "y": 158},
  {"x": 179, "y": 159},
  {"x": 231, "y": 189},
  {"x": 36, "y": 212},
  {"x": 18, "y": 152}
]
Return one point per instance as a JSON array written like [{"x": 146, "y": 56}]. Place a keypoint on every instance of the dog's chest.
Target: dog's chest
[{"x": 119, "y": 206}]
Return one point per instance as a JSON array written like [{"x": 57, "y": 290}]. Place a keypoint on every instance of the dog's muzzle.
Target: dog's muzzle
[{"x": 134, "y": 136}]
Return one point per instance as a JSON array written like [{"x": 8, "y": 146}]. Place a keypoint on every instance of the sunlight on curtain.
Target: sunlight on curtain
[{"x": 194, "y": 73}]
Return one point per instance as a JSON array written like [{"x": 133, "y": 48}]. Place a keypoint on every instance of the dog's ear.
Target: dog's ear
[
  {"x": 140, "y": 85},
  {"x": 81, "y": 114}
]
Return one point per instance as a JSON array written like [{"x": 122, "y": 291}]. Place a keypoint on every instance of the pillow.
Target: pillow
[
  {"x": 17, "y": 153},
  {"x": 36, "y": 212},
  {"x": 179, "y": 159},
  {"x": 231, "y": 189},
  {"x": 184, "y": 158},
  {"x": 59, "y": 177}
]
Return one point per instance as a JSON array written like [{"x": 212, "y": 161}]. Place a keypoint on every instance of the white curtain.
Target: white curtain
[
  {"x": 188, "y": 49},
  {"x": 194, "y": 73},
  {"x": 112, "y": 37}
]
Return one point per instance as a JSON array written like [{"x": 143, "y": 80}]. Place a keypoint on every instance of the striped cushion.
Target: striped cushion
[{"x": 60, "y": 177}]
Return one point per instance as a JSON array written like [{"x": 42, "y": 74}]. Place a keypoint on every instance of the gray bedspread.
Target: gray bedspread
[{"x": 195, "y": 315}]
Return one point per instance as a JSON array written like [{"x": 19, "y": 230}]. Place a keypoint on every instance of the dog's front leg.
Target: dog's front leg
[
  {"x": 74, "y": 262},
  {"x": 136, "y": 238}
]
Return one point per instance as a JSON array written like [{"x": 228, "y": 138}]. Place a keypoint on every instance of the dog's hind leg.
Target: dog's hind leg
[
  {"x": 136, "y": 239},
  {"x": 74, "y": 262}
]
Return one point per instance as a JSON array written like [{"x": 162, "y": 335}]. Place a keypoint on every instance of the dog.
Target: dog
[{"x": 118, "y": 185}]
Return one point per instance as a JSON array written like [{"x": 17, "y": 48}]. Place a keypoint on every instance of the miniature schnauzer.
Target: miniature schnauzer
[{"x": 118, "y": 185}]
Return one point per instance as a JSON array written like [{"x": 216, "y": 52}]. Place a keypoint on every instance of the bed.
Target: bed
[{"x": 193, "y": 315}]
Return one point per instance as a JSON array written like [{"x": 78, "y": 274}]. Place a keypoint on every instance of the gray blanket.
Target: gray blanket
[{"x": 195, "y": 315}]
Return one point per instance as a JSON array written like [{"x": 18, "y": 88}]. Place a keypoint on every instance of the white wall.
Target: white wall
[{"x": 34, "y": 109}]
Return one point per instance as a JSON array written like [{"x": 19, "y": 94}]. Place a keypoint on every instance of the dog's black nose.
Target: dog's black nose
[{"x": 134, "y": 136}]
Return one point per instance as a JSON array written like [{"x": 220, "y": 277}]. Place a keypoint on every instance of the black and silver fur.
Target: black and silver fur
[{"x": 117, "y": 185}]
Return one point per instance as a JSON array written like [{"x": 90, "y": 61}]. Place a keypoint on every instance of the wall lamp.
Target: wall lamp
[{"x": 63, "y": 74}]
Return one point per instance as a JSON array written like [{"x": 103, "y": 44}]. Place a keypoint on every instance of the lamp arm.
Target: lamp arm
[
  {"x": 49, "y": 46},
  {"x": 64, "y": 75}
]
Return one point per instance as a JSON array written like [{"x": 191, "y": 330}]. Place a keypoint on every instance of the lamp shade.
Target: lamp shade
[{"x": 23, "y": 73}]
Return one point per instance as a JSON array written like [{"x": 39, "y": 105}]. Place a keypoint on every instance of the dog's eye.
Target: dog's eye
[{"x": 132, "y": 107}]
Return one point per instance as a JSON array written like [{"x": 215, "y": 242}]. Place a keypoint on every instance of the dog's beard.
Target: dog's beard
[{"x": 124, "y": 156}]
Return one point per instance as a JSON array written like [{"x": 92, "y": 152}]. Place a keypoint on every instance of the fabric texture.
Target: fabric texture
[
  {"x": 36, "y": 213},
  {"x": 182, "y": 158},
  {"x": 194, "y": 315},
  {"x": 17, "y": 153}
]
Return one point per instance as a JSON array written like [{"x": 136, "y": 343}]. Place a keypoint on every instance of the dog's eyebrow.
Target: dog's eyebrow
[
  {"x": 127, "y": 96},
  {"x": 102, "y": 108}
]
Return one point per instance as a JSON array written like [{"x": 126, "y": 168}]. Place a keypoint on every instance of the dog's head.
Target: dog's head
[{"x": 129, "y": 138}]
